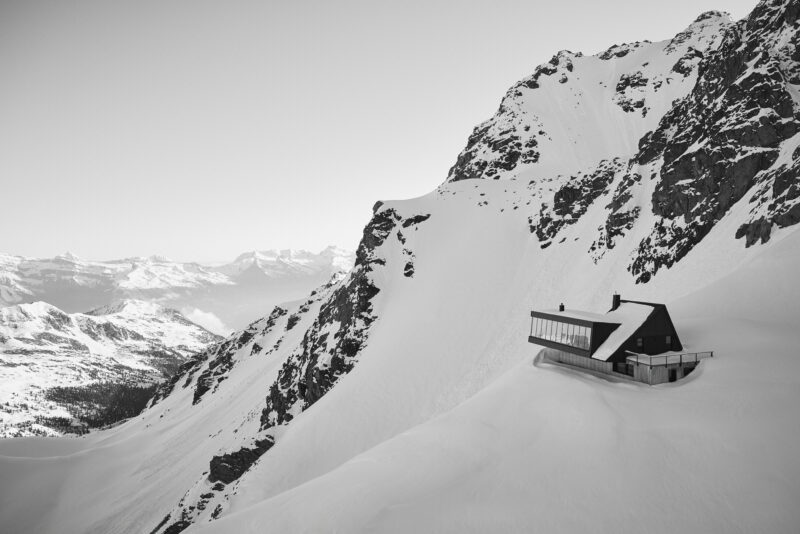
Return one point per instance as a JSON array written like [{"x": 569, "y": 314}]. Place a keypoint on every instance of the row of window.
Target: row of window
[{"x": 564, "y": 333}]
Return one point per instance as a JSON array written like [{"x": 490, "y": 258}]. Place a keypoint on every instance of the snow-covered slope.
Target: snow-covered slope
[
  {"x": 42, "y": 347},
  {"x": 540, "y": 448},
  {"x": 575, "y": 111},
  {"x": 220, "y": 297},
  {"x": 405, "y": 396}
]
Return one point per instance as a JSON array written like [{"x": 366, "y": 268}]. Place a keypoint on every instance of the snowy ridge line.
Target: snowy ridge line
[
  {"x": 222, "y": 297},
  {"x": 340, "y": 315}
]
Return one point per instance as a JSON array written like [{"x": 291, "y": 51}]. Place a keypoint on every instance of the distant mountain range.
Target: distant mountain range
[
  {"x": 126, "y": 324},
  {"x": 132, "y": 343},
  {"x": 221, "y": 297}
]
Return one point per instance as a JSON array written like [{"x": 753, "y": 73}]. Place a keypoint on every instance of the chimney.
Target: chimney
[
  {"x": 615, "y": 300},
  {"x": 561, "y": 307}
]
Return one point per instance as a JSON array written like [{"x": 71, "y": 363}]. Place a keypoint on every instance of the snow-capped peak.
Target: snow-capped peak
[
  {"x": 128, "y": 306},
  {"x": 278, "y": 263}
]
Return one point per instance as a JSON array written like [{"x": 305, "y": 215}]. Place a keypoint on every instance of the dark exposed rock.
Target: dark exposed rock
[
  {"x": 230, "y": 466},
  {"x": 186, "y": 370},
  {"x": 628, "y": 80},
  {"x": 506, "y": 141},
  {"x": 629, "y": 95},
  {"x": 408, "y": 270},
  {"x": 755, "y": 231},
  {"x": 717, "y": 141},
  {"x": 777, "y": 203},
  {"x": 572, "y": 200},
  {"x": 416, "y": 219},
  {"x": 688, "y": 32},
  {"x": 161, "y": 524},
  {"x": 466, "y": 166},
  {"x": 292, "y": 321},
  {"x": 688, "y": 62},
  {"x": 177, "y": 527},
  {"x": 222, "y": 354},
  {"x": 615, "y": 51},
  {"x": 323, "y": 358}
]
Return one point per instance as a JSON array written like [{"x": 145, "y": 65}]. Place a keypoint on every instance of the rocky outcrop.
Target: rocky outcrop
[
  {"x": 511, "y": 138},
  {"x": 629, "y": 94},
  {"x": 230, "y": 466},
  {"x": 720, "y": 141},
  {"x": 572, "y": 200},
  {"x": 776, "y": 201},
  {"x": 324, "y": 356},
  {"x": 328, "y": 350}
]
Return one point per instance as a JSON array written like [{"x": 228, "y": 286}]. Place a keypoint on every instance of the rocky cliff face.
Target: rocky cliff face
[
  {"x": 725, "y": 136},
  {"x": 329, "y": 330},
  {"x": 732, "y": 136}
]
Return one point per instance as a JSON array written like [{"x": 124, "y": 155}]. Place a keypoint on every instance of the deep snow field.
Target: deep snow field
[{"x": 446, "y": 425}]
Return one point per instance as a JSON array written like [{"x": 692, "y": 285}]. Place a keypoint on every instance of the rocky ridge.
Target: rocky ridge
[
  {"x": 726, "y": 137},
  {"x": 324, "y": 335}
]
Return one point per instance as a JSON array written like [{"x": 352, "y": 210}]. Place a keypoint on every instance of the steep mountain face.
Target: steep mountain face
[
  {"x": 220, "y": 297},
  {"x": 42, "y": 347},
  {"x": 576, "y": 110},
  {"x": 402, "y": 396},
  {"x": 668, "y": 137}
]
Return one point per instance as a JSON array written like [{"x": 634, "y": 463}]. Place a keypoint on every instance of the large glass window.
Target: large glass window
[{"x": 564, "y": 333}]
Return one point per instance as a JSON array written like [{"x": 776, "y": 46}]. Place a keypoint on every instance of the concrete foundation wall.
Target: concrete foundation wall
[
  {"x": 641, "y": 373},
  {"x": 579, "y": 361}
]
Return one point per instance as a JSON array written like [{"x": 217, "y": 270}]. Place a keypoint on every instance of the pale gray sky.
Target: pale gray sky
[{"x": 199, "y": 129}]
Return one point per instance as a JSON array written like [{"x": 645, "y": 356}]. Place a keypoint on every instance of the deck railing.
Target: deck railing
[{"x": 661, "y": 360}]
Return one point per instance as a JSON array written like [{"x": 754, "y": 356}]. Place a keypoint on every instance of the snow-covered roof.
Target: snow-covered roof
[
  {"x": 630, "y": 316},
  {"x": 580, "y": 314}
]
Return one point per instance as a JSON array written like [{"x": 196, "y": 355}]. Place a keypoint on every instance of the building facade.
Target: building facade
[{"x": 636, "y": 340}]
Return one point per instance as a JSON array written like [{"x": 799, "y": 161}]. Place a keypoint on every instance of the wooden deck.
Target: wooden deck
[{"x": 667, "y": 358}]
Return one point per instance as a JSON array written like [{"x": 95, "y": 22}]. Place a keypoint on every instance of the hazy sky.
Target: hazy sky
[{"x": 198, "y": 129}]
